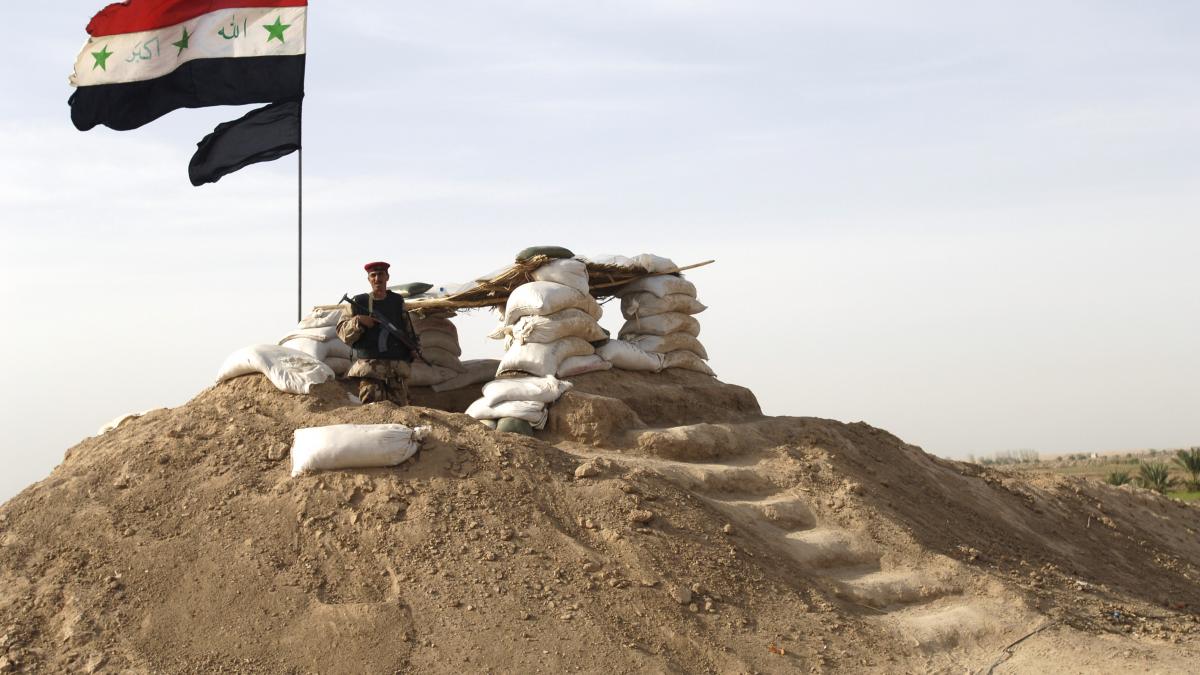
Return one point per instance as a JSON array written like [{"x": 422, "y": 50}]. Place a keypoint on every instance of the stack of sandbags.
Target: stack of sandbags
[
  {"x": 316, "y": 335},
  {"x": 548, "y": 327},
  {"x": 550, "y": 324},
  {"x": 518, "y": 404},
  {"x": 659, "y": 319},
  {"x": 439, "y": 344},
  {"x": 475, "y": 371}
]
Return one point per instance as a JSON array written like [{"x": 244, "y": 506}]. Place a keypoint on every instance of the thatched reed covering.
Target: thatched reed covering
[{"x": 605, "y": 281}]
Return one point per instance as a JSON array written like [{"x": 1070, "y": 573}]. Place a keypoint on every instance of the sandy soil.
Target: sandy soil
[{"x": 660, "y": 524}]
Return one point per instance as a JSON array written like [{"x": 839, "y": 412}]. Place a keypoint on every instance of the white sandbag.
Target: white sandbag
[
  {"x": 655, "y": 264},
  {"x": 542, "y": 359},
  {"x": 354, "y": 446},
  {"x": 546, "y": 297},
  {"x": 649, "y": 304},
  {"x": 321, "y": 318},
  {"x": 477, "y": 371},
  {"x": 661, "y": 324},
  {"x": 439, "y": 340},
  {"x": 567, "y": 323},
  {"x": 320, "y": 333},
  {"x": 564, "y": 271},
  {"x": 439, "y": 324},
  {"x": 609, "y": 260},
  {"x": 338, "y": 349},
  {"x": 669, "y": 343},
  {"x": 289, "y": 370},
  {"x": 688, "y": 360},
  {"x": 628, "y": 356},
  {"x": 339, "y": 365},
  {"x": 317, "y": 349},
  {"x": 541, "y": 389},
  {"x": 660, "y": 285},
  {"x": 119, "y": 421},
  {"x": 425, "y": 375},
  {"x": 440, "y": 357},
  {"x": 578, "y": 365},
  {"x": 327, "y": 335},
  {"x": 530, "y": 411}
]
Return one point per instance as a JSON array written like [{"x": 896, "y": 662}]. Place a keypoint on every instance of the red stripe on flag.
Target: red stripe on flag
[{"x": 134, "y": 16}]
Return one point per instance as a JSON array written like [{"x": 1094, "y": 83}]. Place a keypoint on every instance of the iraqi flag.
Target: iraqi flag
[{"x": 145, "y": 58}]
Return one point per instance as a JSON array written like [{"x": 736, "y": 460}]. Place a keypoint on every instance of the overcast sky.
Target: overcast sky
[{"x": 971, "y": 224}]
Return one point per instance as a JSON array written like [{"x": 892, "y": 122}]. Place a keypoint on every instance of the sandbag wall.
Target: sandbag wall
[
  {"x": 439, "y": 343},
  {"x": 551, "y": 323},
  {"x": 316, "y": 335},
  {"x": 660, "y": 329},
  {"x": 548, "y": 328}
]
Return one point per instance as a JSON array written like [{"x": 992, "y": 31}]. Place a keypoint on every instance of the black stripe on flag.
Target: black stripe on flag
[
  {"x": 195, "y": 84},
  {"x": 259, "y": 136}
]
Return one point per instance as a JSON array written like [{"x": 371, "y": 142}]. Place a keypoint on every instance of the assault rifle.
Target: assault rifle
[{"x": 389, "y": 327}]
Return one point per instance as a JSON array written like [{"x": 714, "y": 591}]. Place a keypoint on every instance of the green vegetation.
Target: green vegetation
[
  {"x": 1185, "y": 496},
  {"x": 1155, "y": 476},
  {"x": 1118, "y": 478},
  {"x": 1189, "y": 461}
]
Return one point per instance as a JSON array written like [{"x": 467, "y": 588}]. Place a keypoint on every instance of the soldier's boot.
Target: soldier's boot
[{"x": 371, "y": 390}]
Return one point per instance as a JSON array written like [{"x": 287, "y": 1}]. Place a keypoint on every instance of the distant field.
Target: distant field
[
  {"x": 1101, "y": 467},
  {"x": 1087, "y": 468}
]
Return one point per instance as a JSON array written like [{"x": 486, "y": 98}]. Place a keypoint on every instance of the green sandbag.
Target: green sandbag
[
  {"x": 411, "y": 289},
  {"x": 514, "y": 426},
  {"x": 548, "y": 251}
]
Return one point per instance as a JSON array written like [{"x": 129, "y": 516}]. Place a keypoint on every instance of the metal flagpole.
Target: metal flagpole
[
  {"x": 300, "y": 193},
  {"x": 300, "y": 221}
]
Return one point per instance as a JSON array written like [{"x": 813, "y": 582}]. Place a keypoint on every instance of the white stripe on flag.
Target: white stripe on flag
[{"x": 228, "y": 33}]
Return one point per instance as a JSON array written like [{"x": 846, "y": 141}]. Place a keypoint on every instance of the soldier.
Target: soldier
[{"x": 382, "y": 360}]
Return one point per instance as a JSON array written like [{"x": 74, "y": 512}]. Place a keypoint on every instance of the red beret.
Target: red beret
[{"x": 376, "y": 265}]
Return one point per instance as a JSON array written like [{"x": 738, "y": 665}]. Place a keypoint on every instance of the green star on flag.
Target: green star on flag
[
  {"x": 183, "y": 42},
  {"x": 276, "y": 29},
  {"x": 101, "y": 58}
]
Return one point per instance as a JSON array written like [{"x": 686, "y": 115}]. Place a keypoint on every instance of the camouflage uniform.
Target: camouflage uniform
[{"x": 378, "y": 379}]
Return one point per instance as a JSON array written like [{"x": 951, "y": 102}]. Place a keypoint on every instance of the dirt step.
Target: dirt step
[
  {"x": 881, "y": 589},
  {"x": 784, "y": 511},
  {"x": 952, "y": 622},
  {"x": 718, "y": 481},
  {"x": 700, "y": 442},
  {"x": 828, "y": 547}
]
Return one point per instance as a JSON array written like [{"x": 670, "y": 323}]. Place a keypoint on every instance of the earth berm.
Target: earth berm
[{"x": 660, "y": 524}]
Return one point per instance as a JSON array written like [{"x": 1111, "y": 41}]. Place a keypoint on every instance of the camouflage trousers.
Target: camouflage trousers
[{"x": 381, "y": 380}]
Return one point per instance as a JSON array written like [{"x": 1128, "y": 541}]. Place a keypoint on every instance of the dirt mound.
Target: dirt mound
[{"x": 669, "y": 528}]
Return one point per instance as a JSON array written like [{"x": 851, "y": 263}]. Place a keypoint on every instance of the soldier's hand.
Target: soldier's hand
[{"x": 368, "y": 321}]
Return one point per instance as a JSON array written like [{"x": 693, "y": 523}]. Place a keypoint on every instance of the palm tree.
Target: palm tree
[
  {"x": 1189, "y": 461},
  {"x": 1118, "y": 478},
  {"x": 1155, "y": 476}
]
